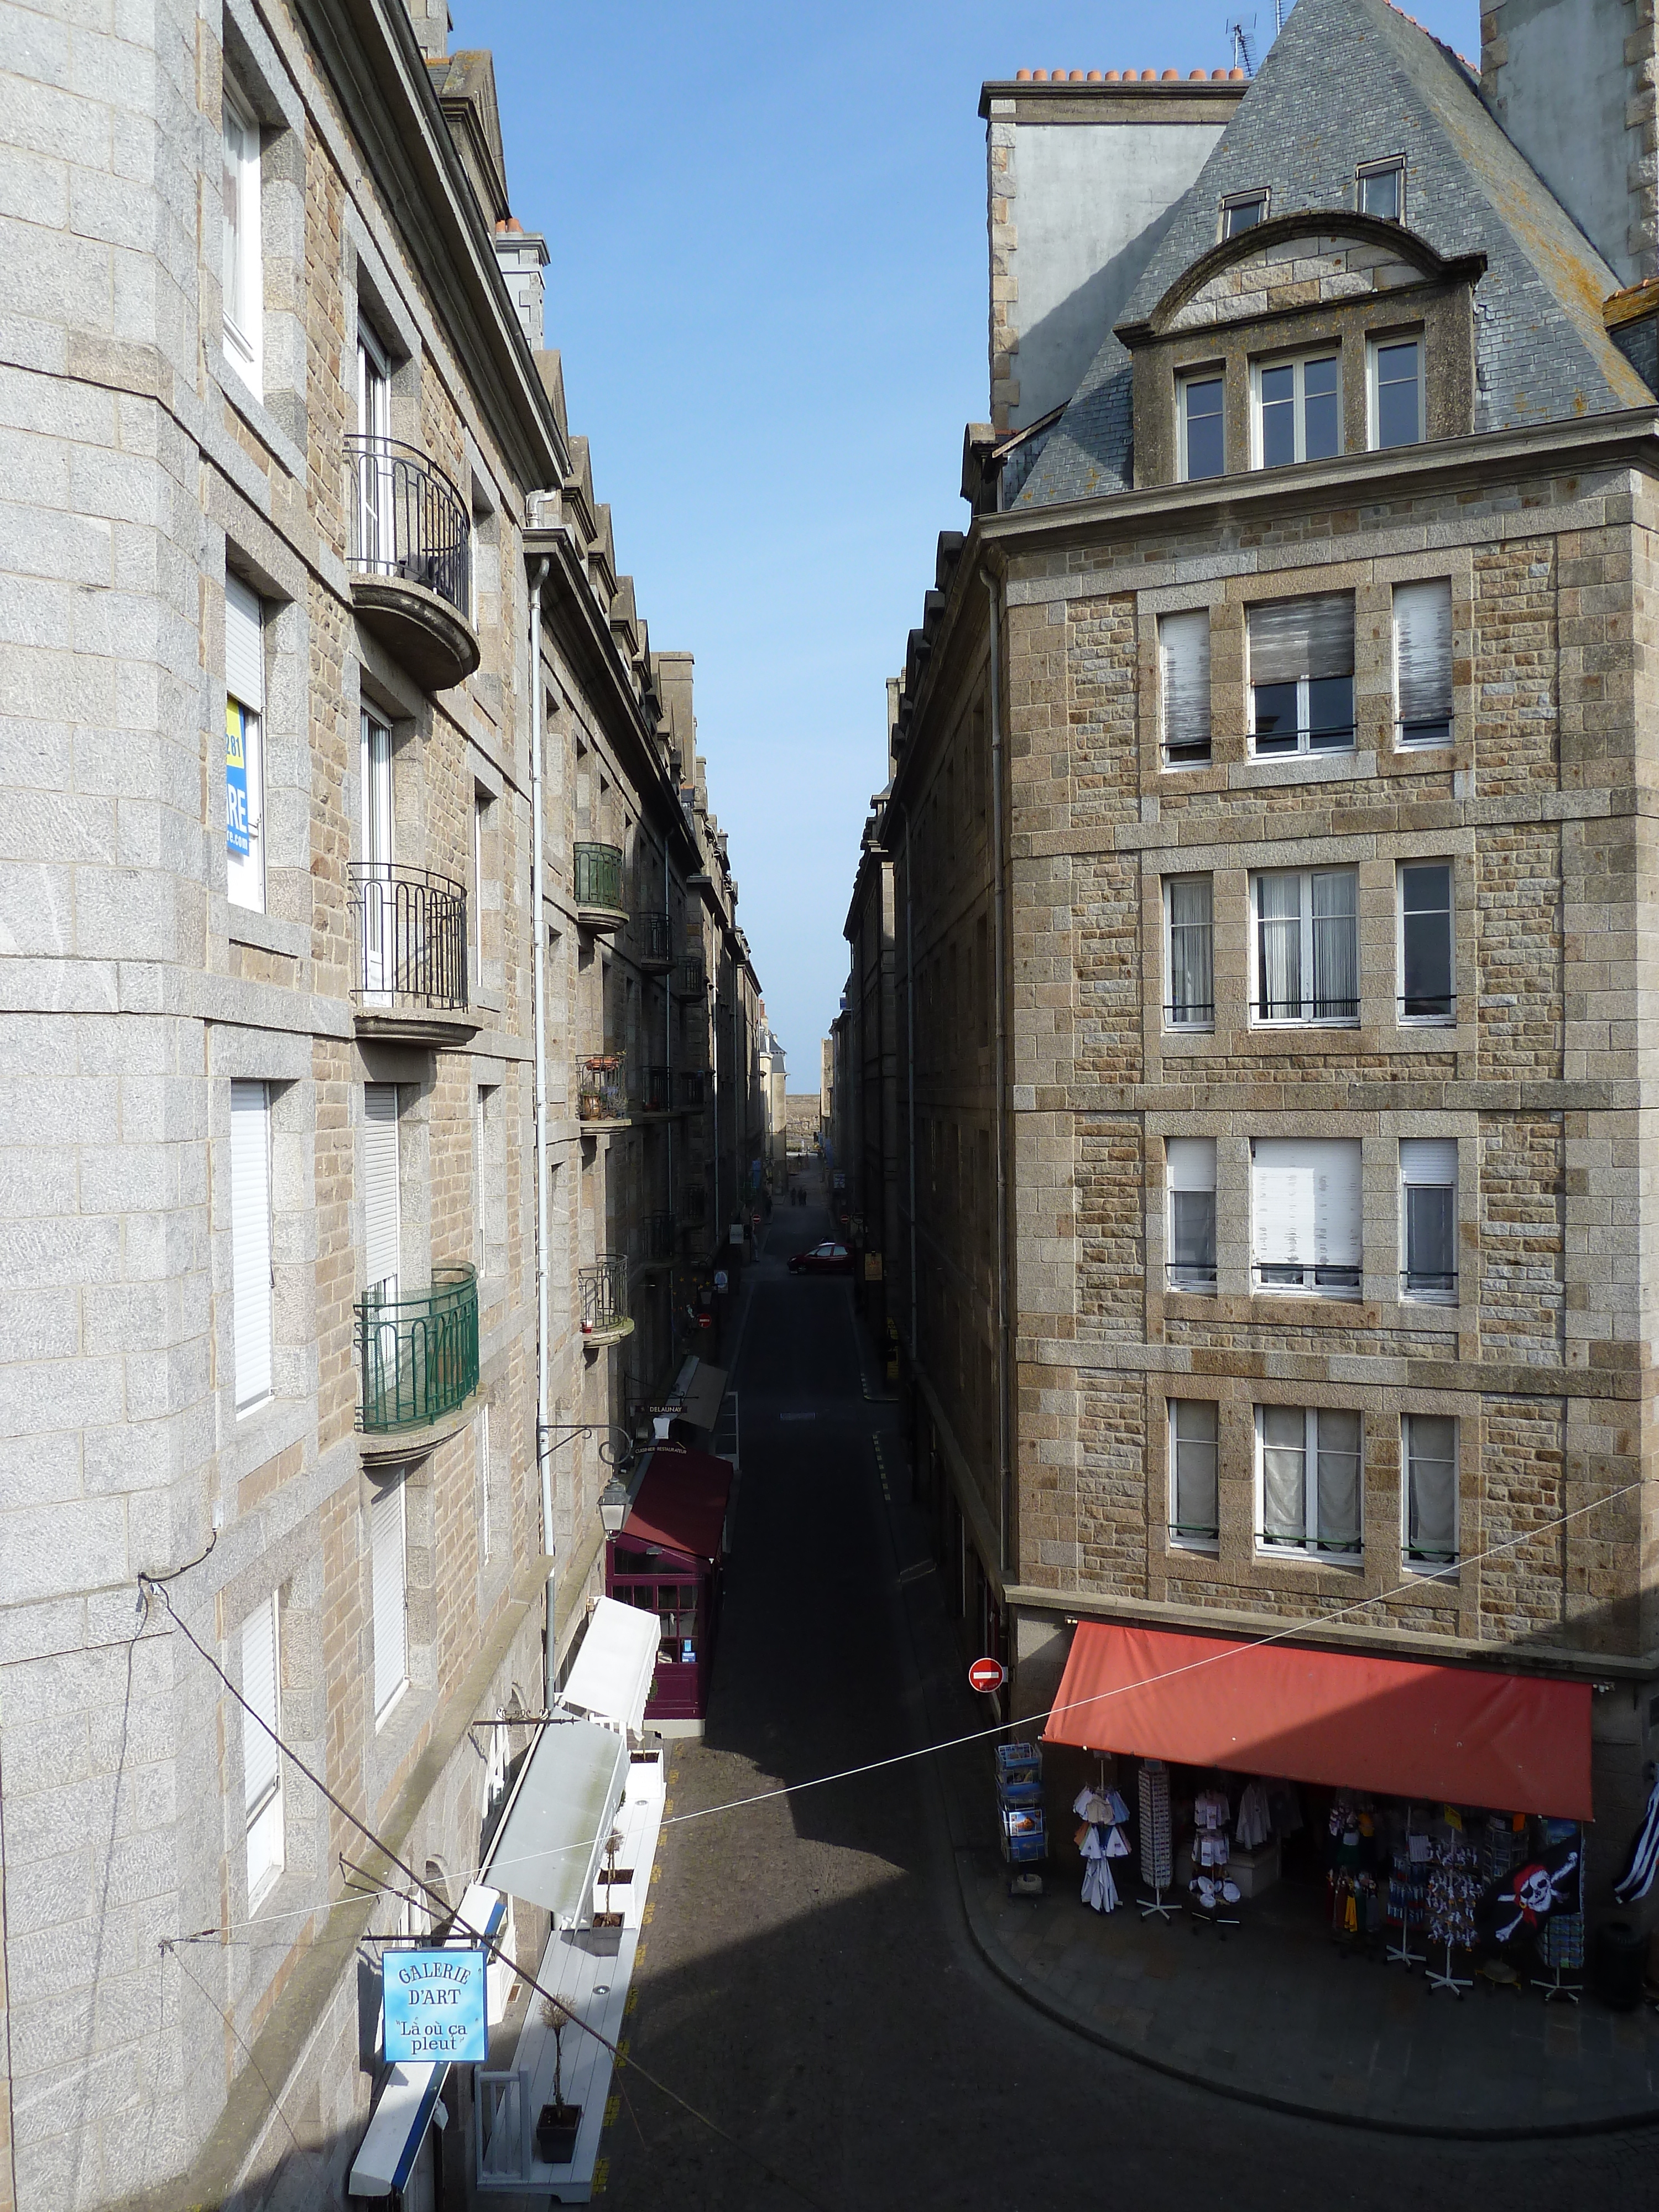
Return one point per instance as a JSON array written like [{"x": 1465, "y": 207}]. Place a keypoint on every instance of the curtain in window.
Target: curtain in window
[
  {"x": 1192, "y": 942},
  {"x": 1430, "y": 1487},
  {"x": 1194, "y": 1425},
  {"x": 1425, "y": 939},
  {"x": 1278, "y": 917},
  {"x": 1291, "y": 639},
  {"x": 1335, "y": 946},
  {"x": 387, "y": 1535},
  {"x": 1423, "y": 660},
  {"x": 259, "y": 1689},
  {"x": 1283, "y": 1474},
  {"x": 1184, "y": 641},
  {"x": 1428, "y": 1170},
  {"x": 1307, "y": 1203},
  {"x": 1338, "y": 1474},
  {"x": 250, "y": 1241}
]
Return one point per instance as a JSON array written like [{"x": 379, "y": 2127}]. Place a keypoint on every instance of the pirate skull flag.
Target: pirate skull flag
[{"x": 1514, "y": 1909}]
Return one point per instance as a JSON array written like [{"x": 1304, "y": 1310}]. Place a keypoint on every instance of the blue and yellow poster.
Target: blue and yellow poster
[{"x": 238, "y": 836}]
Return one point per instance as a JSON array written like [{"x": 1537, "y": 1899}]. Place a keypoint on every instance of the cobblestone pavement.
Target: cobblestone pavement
[{"x": 809, "y": 1983}]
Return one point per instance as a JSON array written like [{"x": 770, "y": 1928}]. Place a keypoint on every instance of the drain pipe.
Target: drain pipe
[
  {"x": 910, "y": 1065},
  {"x": 1005, "y": 1478},
  {"x": 538, "y": 973}
]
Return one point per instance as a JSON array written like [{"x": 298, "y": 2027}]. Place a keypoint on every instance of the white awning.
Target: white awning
[
  {"x": 611, "y": 1679},
  {"x": 548, "y": 1847},
  {"x": 702, "y": 1400},
  {"x": 397, "y": 2126}
]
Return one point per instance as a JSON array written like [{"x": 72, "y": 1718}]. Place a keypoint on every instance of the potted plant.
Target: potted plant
[{"x": 557, "y": 2123}]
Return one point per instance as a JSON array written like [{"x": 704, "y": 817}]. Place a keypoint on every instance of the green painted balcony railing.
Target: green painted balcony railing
[
  {"x": 417, "y": 1358},
  {"x": 598, "y": 877}
]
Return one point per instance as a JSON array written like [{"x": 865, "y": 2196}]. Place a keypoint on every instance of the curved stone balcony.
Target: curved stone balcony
[{"x": 411, "y": 560}]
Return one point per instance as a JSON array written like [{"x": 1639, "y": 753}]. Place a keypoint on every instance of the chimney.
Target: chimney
[
  {"x": 1083, "y": 170},
  {"x": 1573, "y": 84}
]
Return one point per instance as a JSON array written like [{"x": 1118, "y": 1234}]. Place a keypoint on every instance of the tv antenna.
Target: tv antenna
[{"x": 1241, "y": 29}]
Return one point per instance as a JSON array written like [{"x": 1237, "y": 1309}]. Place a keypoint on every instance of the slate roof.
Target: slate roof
[{"x": 1353, "y": 81}]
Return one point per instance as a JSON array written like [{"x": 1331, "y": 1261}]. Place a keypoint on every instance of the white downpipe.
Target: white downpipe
[
  {"x": 539, "y": 975},
  {"x": 1004, "y": 1385}
]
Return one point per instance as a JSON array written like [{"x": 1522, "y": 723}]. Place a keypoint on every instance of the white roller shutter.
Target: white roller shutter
[
  {"x": 260, "y": 1768},
  {"x": 382, "y": 1220},
  {"x": 1191, "y": 1163},
  {"x": 1422, "y": 656},
  {"x": 1429, "y": 1160},
  {"x": 1184, "y": 644},
  {"x": 1307, "y": 1201},
  {"x": 245, "y": 645},
  {"x": 1291, "y": 639},
  {"x": 250, "y": 1241},
  {"x": 386, "y": 1534}
]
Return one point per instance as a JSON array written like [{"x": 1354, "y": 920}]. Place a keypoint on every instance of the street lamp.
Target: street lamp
[{"x": 613, "y": 1505}]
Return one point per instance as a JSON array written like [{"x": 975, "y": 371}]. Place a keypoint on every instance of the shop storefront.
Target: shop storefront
[{"x": 668, "y": 1557}]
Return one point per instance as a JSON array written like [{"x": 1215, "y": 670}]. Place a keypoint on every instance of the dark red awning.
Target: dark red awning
[
  {"x": 681, "y": 1502},
  {"x": 1464, "y": 1734}
]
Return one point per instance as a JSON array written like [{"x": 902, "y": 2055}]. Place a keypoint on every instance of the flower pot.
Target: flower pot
[{"x": 556, "y": 2133}]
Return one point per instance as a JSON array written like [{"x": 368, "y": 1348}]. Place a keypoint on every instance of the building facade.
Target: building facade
[
  {"x": 324, "y": 1287},
  {"x": 1269, "y": 906}
]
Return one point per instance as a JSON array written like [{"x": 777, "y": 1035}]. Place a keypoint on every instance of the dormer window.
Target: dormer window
[
  {"x": 1381, "y": 189},
  {"x": 1396, "y": 392},
  {"x": 1298, "y": 412},
  {"x": 1242, "y": 211},
  {"x": 1203, "y": 444}
]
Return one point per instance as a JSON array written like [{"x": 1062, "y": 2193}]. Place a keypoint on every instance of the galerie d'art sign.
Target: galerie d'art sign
[{"x": 435, "y": 2006}]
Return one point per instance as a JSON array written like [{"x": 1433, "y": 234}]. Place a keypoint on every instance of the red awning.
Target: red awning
[
  {"x": 1463, "y": 1734},
  {"x": 681, "y": 1502}
]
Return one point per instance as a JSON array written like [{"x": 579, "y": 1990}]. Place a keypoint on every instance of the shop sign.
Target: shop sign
[
  {"x": 735, "y": 1236},
  {"x": 987, "y": 1674},
  {"x": 435, "y": 2006}
]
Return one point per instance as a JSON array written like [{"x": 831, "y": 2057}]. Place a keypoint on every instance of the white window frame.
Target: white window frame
[
  {"x": 373, "y": 523},
  {"x": 1318, "y": 1165},
  {"x": 1299, "y": 364},
  {"x": 1305, "y": 1018},
  {"x": 1190, "y": 1168},
  {"x": 1375, "y": 347},
  {"x": 1186, "y": 633},
  {"x": 389, "y": 1524},
  {"x": 1429, "y": 1164},
  {"x": 1419, "y": 1561},
  {"x": 1184, "y": 384},
  {"x": 1312, "y": 1545},
  {"x": 1235, "y": 202},
  {"x": 245, "y": 706},
  {"x": 481, "y": 1449},
  {"x": 262, "y": 1765},
  {"x": 243, "y": 256},
  {"x": 1441, "y": 1021},
  {"x": 1410, "y": 738},
  {"x": 252, "y": 1293},
  {"x": 1259, "y": 616},
  {"x": 1391, "y": 165},
  {"x": 482, "y": 803},
  {"x": 1188, "y": 1536},
  {"x": 1173, "y": 1019}
]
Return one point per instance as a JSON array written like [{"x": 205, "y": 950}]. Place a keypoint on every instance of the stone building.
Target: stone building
[
  {"x": 322, "y": 1280},
  {"x": 1269, "y": 890}
]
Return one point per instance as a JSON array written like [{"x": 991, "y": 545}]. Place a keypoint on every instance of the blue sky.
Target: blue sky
[{"x": 768, "y": 282}]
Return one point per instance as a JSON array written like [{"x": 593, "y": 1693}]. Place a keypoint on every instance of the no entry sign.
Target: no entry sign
[{"x": 987, "y": 1674}]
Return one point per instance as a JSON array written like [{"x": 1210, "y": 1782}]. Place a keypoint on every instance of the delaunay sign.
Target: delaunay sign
[{"x": 435, "y": 2006}]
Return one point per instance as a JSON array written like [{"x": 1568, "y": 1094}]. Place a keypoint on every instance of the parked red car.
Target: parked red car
[{"x": 830, "y": 1259}]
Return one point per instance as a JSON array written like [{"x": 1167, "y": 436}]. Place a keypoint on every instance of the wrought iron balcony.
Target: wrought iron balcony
[
  {"x": 411, "y": 955},
  {"x": 656, "y": 1092},
  {"x": 657, "y": 1241},
  {"x": 658, "y": 952},
  {"x": 604, "y": 1287},
  {"x": 693, "y": 1085},
  {"x": 417, "y": 1358},
  {"x": 598, "y": 886},
  {"x": 411, "y": 559},
  {"x": 601, "y": 1088},
  {"x": 691, "y": 1207},
  {"x": 691, "y": 979}
]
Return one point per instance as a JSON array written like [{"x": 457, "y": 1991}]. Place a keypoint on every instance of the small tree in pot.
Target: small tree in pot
[{"x": 557, "y": 2123}]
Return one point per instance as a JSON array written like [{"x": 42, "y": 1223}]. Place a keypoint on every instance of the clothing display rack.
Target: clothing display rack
[
  {"x": 1453, "y": 1888},
  {"x": 1157, "y": 1841},
  {"x": 1407, "y": 1908},
  {"x": 1561, "y": 1946},
  {"x": 1101, "y": 1839}
]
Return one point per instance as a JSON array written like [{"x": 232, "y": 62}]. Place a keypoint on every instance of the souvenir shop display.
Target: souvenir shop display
[
  {"x": 1560, "y": 1942},
  {"x": 1019, "y": 1805},
  {"x": 1357, "y": 1901},
  {"x": 1454, "y": 1892},
  {"x": 1101, "y": 1839},
  {"x": 1636, "y": 1879},
  {"x": 1407, "y": 1908},
  {"x": 1212, "y": 1894},
  {"x": 1255, "y": 1823},
  {"x": 1157, "y": 1840}
]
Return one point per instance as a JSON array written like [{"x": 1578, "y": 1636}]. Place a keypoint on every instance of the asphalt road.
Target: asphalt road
[{"x": 808, "y": 1984}]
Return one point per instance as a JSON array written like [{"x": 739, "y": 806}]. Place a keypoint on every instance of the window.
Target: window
[
  {"x": 1298, "y": 411},
  {"x": 480, "y": 834},
  {"x": 382, "y": 1222},
  {"x": 388, "y": 1543},
  {"x": 1194, "y": 1517},
  {"x": 1190, "y": 903},
  {"x": 1242, "y": 211},
  {"x": 245, "y": 750},
  {"x": 374, "y": 522},
  {"x": 262, "y": 1768},
  {"x": 1428, "y": 1207},
  {"x": 1430, "y": 1446},
  {"x": 1301, "y": 654},
  {"x": 378, "y": 889},
  {"x": 1305, "y": 1200},
  {"x": 1307, "y": 947},
  {"x": 1396, "y": 369},
  {"x": 250, "y": 1243},
  {"x": 1309, "y": 1479},
  {"x": 1191, "y": 1168},
  {"x": 1183, "y": 648},
  {"x": 1381, "y": 189},
  {"x": 481, "y": 1448},
  {"x": 1426, "y": 993},
  {"x": 1203, "y": 444},
  {"x": 241, "y": 270},
  {"x": 1423, "y": 663}
]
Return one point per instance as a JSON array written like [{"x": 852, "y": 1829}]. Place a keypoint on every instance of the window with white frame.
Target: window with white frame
[
  {"x": 1190, "y": 913},
  {"x": 1395, "y": 370},
  {"x": 1201, "y": 436},
  {"x": 481, "y": 1448},
  {"x": 1427, "y": 985},
  {"x": 1308, "y": 1479},
  {"x": 389, "y": 1549},
  {"x": 1194, "y": 1433},
  {"x": 1423, "y": 663},
  {"x": 262, "y": 1768},
  {"x": 1183, "y": 647},
  {"x": 1429, "y": 1449},
  {"x": 1296, "y": 405},
  {"x": 1380, "y": 189},
  {"x": 1191, "y": 1164},
  {"x": 480, "y": 847},
  {"x": 1301, "y": 655},
  {"x": 1306, "y": 1219},
  {"x": 250, "y": 1243},
  {"x": 245, "y": 750},
  {"x": 1242, "y": 211},
  {"x": 1428, "y": 1217},
  {"x": 374, "y": 531},
  {"x": 242, "y": 268},
  {"x": 1307, "y": 944}
]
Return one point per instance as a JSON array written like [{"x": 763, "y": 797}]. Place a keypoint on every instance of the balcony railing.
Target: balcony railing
[
  {"x": 598, "y": 878},
  {"x": 658, "y": 948},
  {"x": 408, "y": 522},
  {"x": 657, "y": 1090},
  {"x": 689, "y": 980},
  {"x": 604, "y": 1289},
  {"x": 692, "y": 1206},
  {"x": 658, "y": 1237},
  {"x": 692, "y": 1081},
  {"x": 601, "y": 1088},
  {"x": 418, "y": 1358},
  {"x": 1191, "y": 1275},
  {"x": 411, "y": 938}
]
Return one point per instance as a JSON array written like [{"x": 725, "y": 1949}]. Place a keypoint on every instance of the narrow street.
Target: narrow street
[{"x": 808, "y": 1983}]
